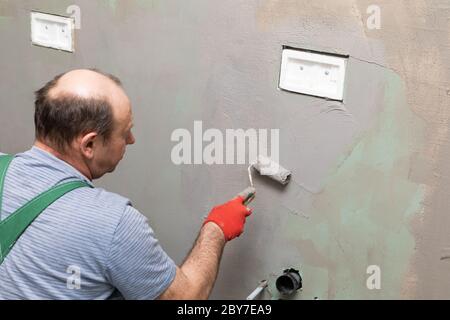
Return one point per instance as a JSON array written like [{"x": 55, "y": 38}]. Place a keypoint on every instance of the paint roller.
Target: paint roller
[{"x": 266, "y": 167}]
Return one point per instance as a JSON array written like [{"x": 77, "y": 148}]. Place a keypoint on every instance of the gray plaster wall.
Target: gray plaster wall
[{"x": 370, "y": 175}]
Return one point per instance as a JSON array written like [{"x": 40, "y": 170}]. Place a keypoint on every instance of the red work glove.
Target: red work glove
[{"x": 230, "y": 217}]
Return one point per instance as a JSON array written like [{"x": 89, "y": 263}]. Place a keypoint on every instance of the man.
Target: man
[{"x": 90, "y": 243}]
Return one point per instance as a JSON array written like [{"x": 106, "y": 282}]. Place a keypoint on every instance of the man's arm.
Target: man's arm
[{"x": 196, "y": 277}]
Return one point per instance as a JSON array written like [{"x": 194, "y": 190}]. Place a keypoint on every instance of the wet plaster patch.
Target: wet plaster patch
[{"x": 362, "y": 216}]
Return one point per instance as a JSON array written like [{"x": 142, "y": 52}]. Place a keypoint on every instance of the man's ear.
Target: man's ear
[{"x": 87, "y": 144}]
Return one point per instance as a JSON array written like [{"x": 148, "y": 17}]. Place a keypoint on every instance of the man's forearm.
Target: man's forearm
[
  {"x": 196, "y": 276},
  {"x": 202, "y": 264}
]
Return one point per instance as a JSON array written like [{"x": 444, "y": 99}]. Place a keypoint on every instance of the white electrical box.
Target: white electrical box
[
  {"x": 52, "y": 31},
  {"x": 311, "y": 73}
]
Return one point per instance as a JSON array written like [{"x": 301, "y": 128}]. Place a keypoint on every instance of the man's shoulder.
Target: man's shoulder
[
  {"x": 97, "y": 208},
  {"x": 102, "y": 199}
]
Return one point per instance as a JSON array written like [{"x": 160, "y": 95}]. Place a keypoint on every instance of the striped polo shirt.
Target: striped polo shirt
[{"x": 89, "y": 244}]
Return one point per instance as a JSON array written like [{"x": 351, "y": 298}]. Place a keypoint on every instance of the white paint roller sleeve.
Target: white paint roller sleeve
[
  {"x": 266, "y": 167},
  {"x": 272, "y": 169}
]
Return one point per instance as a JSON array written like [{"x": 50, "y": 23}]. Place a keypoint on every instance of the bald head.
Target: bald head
[
  {"x": 87, "y": 84},
  {"x": 77, "y": 102},
  {"x": 84, "y": 117}
]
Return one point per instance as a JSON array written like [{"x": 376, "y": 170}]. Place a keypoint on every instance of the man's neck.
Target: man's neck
[{"x": 79, "y": 165}]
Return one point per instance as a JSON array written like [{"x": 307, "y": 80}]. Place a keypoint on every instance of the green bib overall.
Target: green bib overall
[{"x": 15, "y": 224}]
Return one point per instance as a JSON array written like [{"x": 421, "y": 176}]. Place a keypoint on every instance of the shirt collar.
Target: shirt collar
[{"x": 54, "y": 161}]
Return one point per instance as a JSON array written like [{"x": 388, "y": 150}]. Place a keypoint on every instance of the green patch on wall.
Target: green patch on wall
[
  {"x": 112, "y": 4},
  {"x": 4, "y": 20},
  {"x": 147, "y": 3},
  {"x": 362, "y": 217}
]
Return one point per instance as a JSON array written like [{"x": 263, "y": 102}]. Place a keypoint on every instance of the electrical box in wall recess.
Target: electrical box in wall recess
[
  {"x": 52, "y": 31},
  {"x": 312, "y": 73}
]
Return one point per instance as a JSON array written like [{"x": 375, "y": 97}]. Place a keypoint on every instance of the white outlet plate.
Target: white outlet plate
[
  {"x": 315, "y": 74},
  {"x": 52, "y": 31}
]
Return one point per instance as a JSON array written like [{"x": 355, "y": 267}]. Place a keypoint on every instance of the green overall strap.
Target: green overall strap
[
  {"x": 15, "y": 224},
  {"x": 5, "y": 160}
]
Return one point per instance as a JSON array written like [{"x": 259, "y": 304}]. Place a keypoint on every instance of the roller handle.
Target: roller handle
[{"x": 248, "y": 195}]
